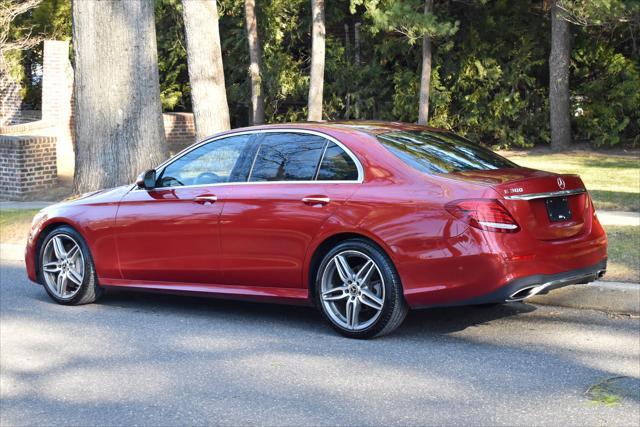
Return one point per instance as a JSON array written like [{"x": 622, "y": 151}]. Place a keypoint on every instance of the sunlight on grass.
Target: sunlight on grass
[{"x": 613, "y": 180}]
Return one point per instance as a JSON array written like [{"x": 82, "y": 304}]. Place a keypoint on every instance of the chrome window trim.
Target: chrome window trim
[
  {"x": 187, "y": 150},
  {"x": 247, "y": 183},
  {"x": 559, "y": 193},
  {"x": 319, "y": 166},
  {"x": 253, "y": 162}
]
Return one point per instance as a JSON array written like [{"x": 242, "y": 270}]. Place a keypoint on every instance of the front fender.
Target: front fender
[
  {"x": 93, "y": 219},
  {"x": 44, "y": 221}
]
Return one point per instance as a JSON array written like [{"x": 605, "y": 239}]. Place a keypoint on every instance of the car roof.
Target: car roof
[
  {"x": 370, "y": 127},
  {"x": 379, "y": 127}
]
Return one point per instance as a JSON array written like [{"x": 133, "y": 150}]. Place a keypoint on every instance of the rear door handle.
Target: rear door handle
[
  {"x": 317, "y": 200},
  {"x": 204, "y": 199}
]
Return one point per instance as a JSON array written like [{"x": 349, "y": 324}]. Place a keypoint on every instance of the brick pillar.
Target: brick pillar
[
  {"x": 180, "y": 130},
  {"x": 57, "y": 94},
  {"x": 10, "y": 99}
]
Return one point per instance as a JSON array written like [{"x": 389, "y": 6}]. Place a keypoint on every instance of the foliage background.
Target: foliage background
[{"x": 489, "y": 78}]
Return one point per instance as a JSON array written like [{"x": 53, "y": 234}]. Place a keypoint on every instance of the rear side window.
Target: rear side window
[
  {"x": 337, "y": 165},
  {"x": 287, "y": 157},
  {"x": 441, "y": 152}
]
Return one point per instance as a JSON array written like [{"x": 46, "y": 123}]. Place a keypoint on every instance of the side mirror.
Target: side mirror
[{"x": 147, "y": 179}]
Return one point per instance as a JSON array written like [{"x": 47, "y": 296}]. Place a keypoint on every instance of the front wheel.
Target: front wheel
[
  {"x": 359, "y": 290},
  {"x": 66, "y": 268}
]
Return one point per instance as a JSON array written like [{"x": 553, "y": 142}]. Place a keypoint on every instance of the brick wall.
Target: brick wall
[
  {"x": 25, "y": 116},
  {"x": 39, "y": 127},
  {"x": 27, "y": 165},
  {"x": 10, "y": 100},
  {"x": 57, "y": 117},
  {"x": 180, "y": 130}
]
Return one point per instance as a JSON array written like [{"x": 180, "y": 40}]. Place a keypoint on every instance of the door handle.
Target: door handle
[
  {"x": 203, "y": 200},
  {"x": 318, "y": 200}
]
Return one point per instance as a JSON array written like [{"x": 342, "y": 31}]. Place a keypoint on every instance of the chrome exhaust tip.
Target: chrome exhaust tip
[
  {"x": 524, "y": 293},
  {"x": 532, "y": 290}
]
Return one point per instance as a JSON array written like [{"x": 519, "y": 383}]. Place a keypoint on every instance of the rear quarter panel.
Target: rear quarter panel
[{"x": 402, "y": 210}]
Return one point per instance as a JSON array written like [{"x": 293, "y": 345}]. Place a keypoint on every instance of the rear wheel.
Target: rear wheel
[
  {"x": 66, "y": 268},
  {"x": 359, "y": 290}
]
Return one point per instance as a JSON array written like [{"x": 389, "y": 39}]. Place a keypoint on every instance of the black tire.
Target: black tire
[
  {"x": 89, "y": 290},
  {"x": 394, "y": 309}
]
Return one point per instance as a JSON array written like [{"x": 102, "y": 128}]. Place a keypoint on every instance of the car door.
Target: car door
[
  {"x": 268, "y": 222},
  {"x": 170, "y": 233}
]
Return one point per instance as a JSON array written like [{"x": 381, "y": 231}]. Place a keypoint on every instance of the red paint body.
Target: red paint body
[{"x": 257, "y": 242}]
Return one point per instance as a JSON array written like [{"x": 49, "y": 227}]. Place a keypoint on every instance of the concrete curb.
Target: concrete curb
[
  {"x": 615, "y": 297},
  {"x": 619, "y": 218}
]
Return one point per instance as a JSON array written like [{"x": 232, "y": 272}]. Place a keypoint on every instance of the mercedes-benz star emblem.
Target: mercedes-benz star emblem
[{"x": 561, "y": 183}]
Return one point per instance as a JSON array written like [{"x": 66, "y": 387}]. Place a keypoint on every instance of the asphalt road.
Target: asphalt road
[{"x": 141, "y": 359}]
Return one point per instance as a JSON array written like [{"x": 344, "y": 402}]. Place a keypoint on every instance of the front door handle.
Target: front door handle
[
  {"x": 317, "y": 200},
  {"x": 204, "y": 199}
]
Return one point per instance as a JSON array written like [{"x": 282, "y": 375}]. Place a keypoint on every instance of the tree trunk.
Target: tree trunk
[
  {"x": 317, "y": 61},
  {"x": 356, "y": 42},
  {"x": 425, "y": 78},
  {"x": 347, "y": 52},
  {"x": 255, "y": 56},
  {"x": 559, "y": 59},
  {"x": 118, "y": 116},
  {"x": 204, "y": 61}
]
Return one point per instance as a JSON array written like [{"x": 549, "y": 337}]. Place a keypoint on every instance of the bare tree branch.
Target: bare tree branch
[{"x": 9, "y": 11}]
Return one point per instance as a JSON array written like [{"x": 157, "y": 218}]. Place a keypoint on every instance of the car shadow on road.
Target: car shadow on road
[
  {"x": 425, "y": 322},
  {"x": 434, "y": 321},
  {"x": 445, "y": 320}
]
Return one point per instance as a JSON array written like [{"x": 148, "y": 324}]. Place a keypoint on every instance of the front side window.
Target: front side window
[
  {"x": 287, "y": 157},
  {"x": 441, "y": 152},
  {"x": 337, "y": 165},
  {"x": 222, "y": 160}
]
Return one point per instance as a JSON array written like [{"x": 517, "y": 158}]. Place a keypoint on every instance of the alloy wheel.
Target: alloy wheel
[
  {"x": 63, "y": 266},
  {"x": 352, "y": 290}
]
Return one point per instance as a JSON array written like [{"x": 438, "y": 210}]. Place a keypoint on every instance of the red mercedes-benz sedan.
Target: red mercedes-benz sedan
[{"x": 364, "y": 220}]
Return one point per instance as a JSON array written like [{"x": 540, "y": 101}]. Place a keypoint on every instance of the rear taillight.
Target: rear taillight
[{"x": 485, "y": 214}]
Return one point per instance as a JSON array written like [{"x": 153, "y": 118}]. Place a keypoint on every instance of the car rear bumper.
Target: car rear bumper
[
  {"x": 478, "y": 267},
  {"x": 526, "y": 287}
]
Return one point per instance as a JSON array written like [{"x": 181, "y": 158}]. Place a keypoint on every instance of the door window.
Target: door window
[
  {"x": 337, "y": 165},
  {"x": 287, "y": 157},
  {"x": 222, "y": 160}
]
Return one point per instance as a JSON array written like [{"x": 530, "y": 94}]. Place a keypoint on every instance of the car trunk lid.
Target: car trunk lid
[{"x": 548, "y": 205}]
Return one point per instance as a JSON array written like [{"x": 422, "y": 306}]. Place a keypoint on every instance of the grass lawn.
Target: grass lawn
[
  {"x": 624, "y": 253},
  {"x": 613, "y": 179},
  {"x": 15, "y": 224}
]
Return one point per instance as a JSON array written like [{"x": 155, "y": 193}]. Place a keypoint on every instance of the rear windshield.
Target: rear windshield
[{"x": 441, "y": 152}]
